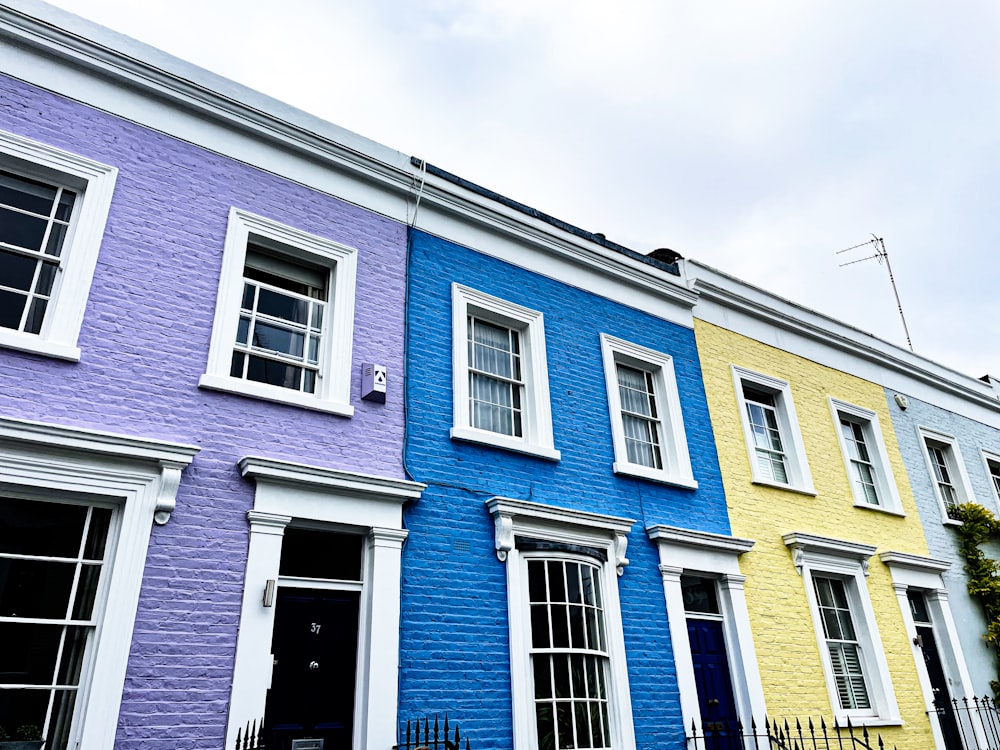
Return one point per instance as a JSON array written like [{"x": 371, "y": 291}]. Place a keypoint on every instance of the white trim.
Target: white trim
[
  {"x": 370, "y": 505},
  {"x": 333, "y": 383},
  {"x": 95, "y": 183},
  {"x": 987, "y": 456},
  {"x": 137, "y": 476},
  {"x": 925, "y": 573},
  {"x": 953, "y": 454},
  {"x": 848, "y": 562},
  {"x": 685, "y": 551},
  {"x": 885, "y": 480},
  {"x": 520, "y": 518},
  {"x": 797, "y": 469},
  {"x": 673, "y": 439},
  {"x": 741, "y": 307},
  {"x": 536, "y": 411}
]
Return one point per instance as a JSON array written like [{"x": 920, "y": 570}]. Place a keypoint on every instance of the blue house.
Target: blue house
[{"x": 568, "y": 579}]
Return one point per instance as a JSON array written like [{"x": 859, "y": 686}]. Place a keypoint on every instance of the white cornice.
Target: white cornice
[
  {"x": 390, "y": 180},
  {"x": 716, "y": 287},
  {"x": 673, "y": 535},
  {"x": 347, "y": 482},
  {"x": 802, "y": 543},
  {"x": 914, "y": 562},
  {"x": 177, "y": 455},
  {"x": 505, "y": 506}
]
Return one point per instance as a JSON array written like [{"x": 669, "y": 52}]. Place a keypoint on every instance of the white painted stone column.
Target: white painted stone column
[
  {"x": 378, "y": 668},
  {"x": 742, "y": 653},
  {"x": 252, "y": 670},
  {"x": 683, "y": 663}
]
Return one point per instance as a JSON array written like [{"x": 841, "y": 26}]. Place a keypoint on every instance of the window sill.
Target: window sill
[
  {"x": 868, "y": 721},
  {"x": 880, "y": 509},
  {"x": 644, "y": 472},
  {"x": 471, "y": 435},
  {"x": 275, "y": 394},
  {"x": 951, "y": 522},
  {"x": 29, "y": 342},
  {"x": 788, "y": 487}
]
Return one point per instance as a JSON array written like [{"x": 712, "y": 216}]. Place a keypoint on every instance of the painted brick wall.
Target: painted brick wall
[
  {"x": 787, "y": 648},
  {"x": 973, "y": 437},
  {"x": 145, "y": 342},
  {"x": 455, "y": 654}
]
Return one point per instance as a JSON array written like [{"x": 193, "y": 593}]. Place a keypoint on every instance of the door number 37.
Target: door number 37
[{"x": 314, "y": 628}]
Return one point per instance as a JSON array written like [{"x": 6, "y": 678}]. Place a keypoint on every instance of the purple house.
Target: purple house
[{"x": 201, "y": 361}]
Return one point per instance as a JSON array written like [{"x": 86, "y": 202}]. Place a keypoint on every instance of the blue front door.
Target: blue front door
[{"x": 711, "y": 674}]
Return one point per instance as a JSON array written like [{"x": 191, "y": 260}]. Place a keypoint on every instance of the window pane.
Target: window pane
[
  {"x": 21, "y": 230},
  {"x": 17, "y": 271},
  {"x": 314, "y": 553},
  {"x": 28, "y": 656},
  {"x": 23, "y": 707},
  {"x": 25, "y": 194},
  {"x": 42, "y": 529},
  {"x": 272, "y": 372},
  {"x": 33, "y": 588}
]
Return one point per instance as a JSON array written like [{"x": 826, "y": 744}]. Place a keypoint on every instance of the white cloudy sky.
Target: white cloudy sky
[{"x": 758, "y": 137}]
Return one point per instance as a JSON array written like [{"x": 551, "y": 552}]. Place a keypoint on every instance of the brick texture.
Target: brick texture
[
  {"x": 145, "y": 344},
  {"x": 455, "y": 650},
  {"x": 784, "y": 634}
]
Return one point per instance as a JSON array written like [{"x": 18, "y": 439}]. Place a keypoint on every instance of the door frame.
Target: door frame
[
  {"x": 925, "y": 573},
  {"x": 685, "y": 551}
]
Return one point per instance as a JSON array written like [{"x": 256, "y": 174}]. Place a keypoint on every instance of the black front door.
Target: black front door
[
  {"x": 939, "y": 684},
  {"x": 315, "y": 647}
]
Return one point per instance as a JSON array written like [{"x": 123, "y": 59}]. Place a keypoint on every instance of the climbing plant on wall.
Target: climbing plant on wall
[{"x": 980, "y": 526}]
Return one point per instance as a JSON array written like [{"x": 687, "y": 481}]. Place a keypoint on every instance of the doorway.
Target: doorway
[{"x": 935, "y": 670}]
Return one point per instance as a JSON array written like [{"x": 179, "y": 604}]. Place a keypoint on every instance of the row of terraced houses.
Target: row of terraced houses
[{"x": 296, "y": 429}]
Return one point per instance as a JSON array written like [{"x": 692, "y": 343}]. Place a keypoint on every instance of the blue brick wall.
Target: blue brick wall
[
  {"x": 454, "y": 650},
  {"x": 973, "y": 437}
]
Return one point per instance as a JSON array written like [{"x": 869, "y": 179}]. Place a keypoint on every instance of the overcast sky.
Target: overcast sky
[{"x": 757, "y": 137}]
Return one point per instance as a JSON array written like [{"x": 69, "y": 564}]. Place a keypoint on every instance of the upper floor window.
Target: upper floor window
[
  {"x": 872, "y": 482},
  {"x": 500, "y": 376},
  {"x": 947, "y": 470},
  {"x": 647, "y": 427},
  {"x": 53, "y": 209},
  {"x": 284, "y": 318},
  {"x": 992, "y": 462},
  {"x": 774, "y": 442}
]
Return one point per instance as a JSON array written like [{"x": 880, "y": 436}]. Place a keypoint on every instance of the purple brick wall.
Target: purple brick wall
[{"x": 145, "y": 343}]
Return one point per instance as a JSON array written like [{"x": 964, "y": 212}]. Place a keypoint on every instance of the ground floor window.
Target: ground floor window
[
  {"x": 52, "y": 564},
  {"x": 569, "y": 655}
]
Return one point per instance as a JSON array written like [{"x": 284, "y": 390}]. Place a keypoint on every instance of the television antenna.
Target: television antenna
[{"x": 877, "y": 244}]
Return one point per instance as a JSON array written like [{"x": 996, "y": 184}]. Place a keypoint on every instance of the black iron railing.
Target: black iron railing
[
  {"x": 252, "y": 737},
  {"x": 970, "y": 724},
  {"x": 783, "y": 735},
  {"x": 433, "y": 738}
]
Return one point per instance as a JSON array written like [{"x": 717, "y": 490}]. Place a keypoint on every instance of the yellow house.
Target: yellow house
[{"x": 813, "y": 475}]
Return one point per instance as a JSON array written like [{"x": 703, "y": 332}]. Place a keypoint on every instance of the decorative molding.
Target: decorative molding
[
  {"x": 515, "y": 516},
  {"x": 699, "y": 539},
  {"x": 267, "y": 523},
  {"x": 914, "y": 562},
  {"x": 715, "y": 286},
  {"x": 621, "y": 545},
  {"x": 166, "y": 497},
  {"x": 383, "y": 537},
  {"x": 504, "y": 533},
  {"x": 351, "y": 483},
  {"x": 94, "y": 441},
  {"x": 805, "y": 545}
]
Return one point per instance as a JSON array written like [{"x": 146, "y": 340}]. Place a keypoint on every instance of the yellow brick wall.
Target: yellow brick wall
[{"x": 784, "y": 634}]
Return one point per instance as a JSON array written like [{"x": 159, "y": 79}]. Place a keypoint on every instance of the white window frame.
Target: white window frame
[
  {"x": 95, "y": 184},
  {"x": 348, "y": 501},
  {"x": 797, "y": 466},
  {"x": 956, "y": 465},
  {"x": 139, "y": 478},
  {"x": 684, "y": 552},
  {"x": 536, "y": 439},
  {"x": 520, "y": 518},
  {"x": 847, "y": 561},
  {"x": 333, "y": 382},
  {"x": 988, "y": 458},
  {"x": 885, "y": 480},
  {"x": 673, "y": 439}
]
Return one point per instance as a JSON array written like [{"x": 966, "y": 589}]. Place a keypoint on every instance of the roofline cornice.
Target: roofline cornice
[
  {"x": 851, "y": 341},
  {"x": 370, "y": 162}
]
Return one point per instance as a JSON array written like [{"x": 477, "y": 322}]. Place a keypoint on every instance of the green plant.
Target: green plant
[{"x": 980, "y": 526}]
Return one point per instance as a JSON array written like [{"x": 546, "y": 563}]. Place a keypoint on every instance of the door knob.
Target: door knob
[{"x": 313, "y": 665}]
